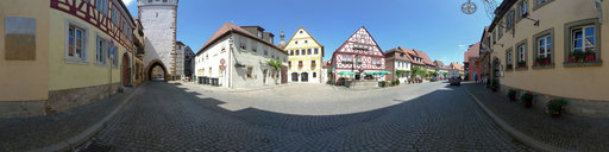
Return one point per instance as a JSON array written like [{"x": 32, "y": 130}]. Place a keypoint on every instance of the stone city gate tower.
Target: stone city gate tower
[{"x": 159, "y": 18}]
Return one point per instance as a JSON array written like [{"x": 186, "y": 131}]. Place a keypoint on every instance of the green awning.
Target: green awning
[
  {"x": 384, "y": 72},
  {"x": 346, "y": 73},
  {"x": 372, "y": 73}
]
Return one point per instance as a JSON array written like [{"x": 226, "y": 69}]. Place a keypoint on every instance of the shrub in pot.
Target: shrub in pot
[
  {"x": 383, "y": 83},
  {"x": 555, "y": 107},
  {"x": 396, "y": 82},
  {"x": 512, "y": 94},
  {"x": 527, "y": 98}
]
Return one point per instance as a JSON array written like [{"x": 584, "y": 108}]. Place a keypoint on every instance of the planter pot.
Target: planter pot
[
  {"x": 571, "y": 59},
  {"x": 537, "y": 63},
  {"x": 512, "y": 97},
  {"x": 528, "y": 103},
  {"x": 555, "y": 114},
  {"x": 547, "y": 62}
]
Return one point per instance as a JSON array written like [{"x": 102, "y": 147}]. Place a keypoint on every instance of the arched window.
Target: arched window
[
  {"x": 294, "y": 77},
  {"x": 304, "y": 77}
]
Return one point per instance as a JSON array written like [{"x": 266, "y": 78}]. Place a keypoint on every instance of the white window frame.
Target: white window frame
[
  {"x": 584, "y": 37},
  {"x": 115, "y": 57},
  {"x": 84, "y": 58},
  {"x": 547, "y": 44},
  {"x": 522, "y": 50},
  {"x": 104, "y": 48}
]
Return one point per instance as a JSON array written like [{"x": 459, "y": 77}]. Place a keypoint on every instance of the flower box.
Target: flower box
[
  {"x": 509, "y": 67},
  {"x": 542, "y": 61},
  {"x": 581, "y": 57},
  {"x": 521, "y": 65}
]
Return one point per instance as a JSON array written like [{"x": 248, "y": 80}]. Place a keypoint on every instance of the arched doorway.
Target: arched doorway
[
  {"x": 294, "y": 77},
  {"x": 304, "y": 77},
  {"x": 126, "y": 70},
  {"x": 156, "y": 71}
]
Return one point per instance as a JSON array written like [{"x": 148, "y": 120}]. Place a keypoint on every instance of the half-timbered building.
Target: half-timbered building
[
  {"x": 359, "y": 54},
  {"x": 60, "y": 54}
]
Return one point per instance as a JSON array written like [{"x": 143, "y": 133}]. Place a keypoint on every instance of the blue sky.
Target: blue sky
[{"x": 435, "y": 26}]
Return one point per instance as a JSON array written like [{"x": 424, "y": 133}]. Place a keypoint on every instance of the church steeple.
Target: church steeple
[{"x": 281, "y": 42}]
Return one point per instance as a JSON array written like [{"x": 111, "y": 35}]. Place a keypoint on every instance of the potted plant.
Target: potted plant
[
  {"x": 589, "y": 56},
  {"x": 512, "y": 95},
  {"x": 527, "y": 98},
  {"x": 576, "y": 56},
  {"x": 555, "y": 107},
  {"x": 542, "y": 61},
  {"x": 383, "y": 83},
  {"x": 396, "y": 82},
  {"x": 522, "y": 64},
  {"x": 509, "y": 67}
]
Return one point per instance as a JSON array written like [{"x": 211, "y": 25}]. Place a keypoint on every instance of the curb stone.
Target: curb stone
[
  {"x": 77, "y": 140},
  {"x": 525, "y": 139}
]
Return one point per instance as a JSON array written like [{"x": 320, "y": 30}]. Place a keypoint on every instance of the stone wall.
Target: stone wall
[
  {"x": 578, "y": 107},
  {"x": 63, "y": 100}
]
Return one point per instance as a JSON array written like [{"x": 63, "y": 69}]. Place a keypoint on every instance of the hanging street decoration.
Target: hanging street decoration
[{"x": 469, "y": 7}]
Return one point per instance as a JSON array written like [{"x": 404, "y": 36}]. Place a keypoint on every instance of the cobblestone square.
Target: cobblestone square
[{"x": 302, "y": 117}]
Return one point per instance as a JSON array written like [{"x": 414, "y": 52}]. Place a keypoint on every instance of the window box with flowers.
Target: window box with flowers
[
  {"x": 521, "y": 65},
  {"x": 582, "y": 43},
  {"x": 509, "y": 67},
  {"x": 543, "y": 48}
]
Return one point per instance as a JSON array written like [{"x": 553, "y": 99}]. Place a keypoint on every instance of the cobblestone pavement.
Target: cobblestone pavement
[
  {"x": 568, "y": 132},
  {"x": 21, "y": 134},
  {"x": 185, "y": 117}
]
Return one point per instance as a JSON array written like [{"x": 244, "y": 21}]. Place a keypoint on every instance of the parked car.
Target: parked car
[
  {"x": 455, "y": 81},
  {"x": 434, "y": 79}
]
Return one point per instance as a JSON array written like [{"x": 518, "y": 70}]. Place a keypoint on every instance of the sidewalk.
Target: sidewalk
[
  {"x": 567, "y": 132},
  {"x": 58, "y": 131}
]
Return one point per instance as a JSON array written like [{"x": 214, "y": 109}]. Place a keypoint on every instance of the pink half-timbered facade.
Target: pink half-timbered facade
[{"x": 360, "y": 54}]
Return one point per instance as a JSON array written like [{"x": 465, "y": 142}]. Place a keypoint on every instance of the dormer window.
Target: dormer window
[{"x": 260, "y": 35}]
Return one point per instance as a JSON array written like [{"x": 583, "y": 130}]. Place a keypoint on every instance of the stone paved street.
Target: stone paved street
[
  {"x": 299, "y": 117},
  {"x": 584, "y": 133}
]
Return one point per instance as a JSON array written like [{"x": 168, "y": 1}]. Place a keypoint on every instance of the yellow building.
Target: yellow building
[
  {"x": 553, "y": 48},
  {"x": 55, "y": 54},
  {"x": 305, "y": 57}
]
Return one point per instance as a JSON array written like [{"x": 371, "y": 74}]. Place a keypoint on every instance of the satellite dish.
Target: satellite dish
[{"x": 469, "y": 7}]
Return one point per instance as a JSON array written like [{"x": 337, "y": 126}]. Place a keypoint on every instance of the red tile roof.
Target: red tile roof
[
  {"x": 228, "y": 28},
  {"x": 455, "y": 65}
]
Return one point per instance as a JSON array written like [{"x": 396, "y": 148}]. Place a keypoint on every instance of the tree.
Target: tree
[{"x": 276, "y": 65}]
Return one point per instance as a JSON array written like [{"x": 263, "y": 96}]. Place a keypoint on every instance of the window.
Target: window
[
  {"x": 242, "y": 43},
  {"x": 582, "y": 46},
  {"x": 290, "y": 64},
  {"x": 313, "y": 63},
  {"x": 306, "y": 41},
  {"x": 115, "y": 16},
  {"x": 291, "y": 52},
  {"x": 260, "y": 35},
  {"x": 540, "y": 3},
  {"x": 521, "y": 52},
  {"x": 509, "y": 20},
  {"x": 523, "y": 8},
  {"x": 77, "y": 37},
  {"x": 316, "y": 51},
  {"x": 543, "y": 49},
  {"x": 300, "y": 32},
  {"x": 266, "y": 52},
  {"x": 249, "y": 72},
  {"x": 101, "y": 45},
  {"x": 115, "y": 57},
  {"x": 508, "y": 60},
  {"x": 499, "y": 31},
  {"x": 164, "y": 1},
  {"x": 300, "y": 63},
  {"x": 295, "y": 42},
  {"x": 102, "y": 6},
  {"x": 149, "y": 1},
  {"x": 297, "y": 52},
  {"x": 314, "y": 74},
  {"x": 308, "y": 51},
  {"x": 254, "y": 46},
  {"x": 302, "y": 52},
  {"x": 494, "y": 37}
]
